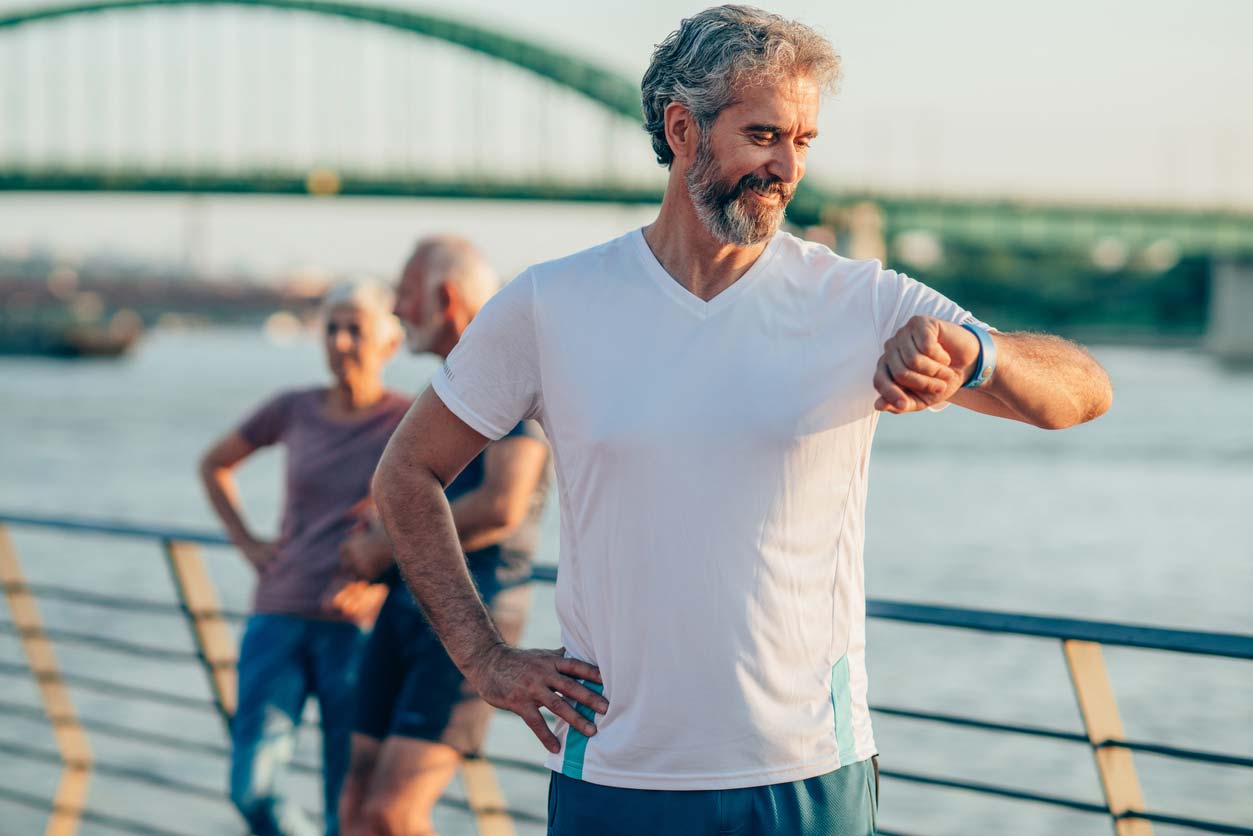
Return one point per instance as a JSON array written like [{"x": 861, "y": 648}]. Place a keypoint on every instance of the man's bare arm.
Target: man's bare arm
[
  {"x": 1040, "y": 379},
  {"x": 427, "y": 451}
]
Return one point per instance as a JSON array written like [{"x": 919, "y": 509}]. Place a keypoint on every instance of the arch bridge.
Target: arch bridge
[{"x": 321, "y": 97}]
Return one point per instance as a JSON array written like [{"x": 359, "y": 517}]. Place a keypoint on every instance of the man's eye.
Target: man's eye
[{"x": 763, "y": 138}]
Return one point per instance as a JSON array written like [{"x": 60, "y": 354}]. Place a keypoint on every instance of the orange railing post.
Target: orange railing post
[
  {"x": 1101, "y": 721},
  {"x": 71, "y": 794},
  {"x": 486, "y": 800},
  {"x": 209, "y": 630}
]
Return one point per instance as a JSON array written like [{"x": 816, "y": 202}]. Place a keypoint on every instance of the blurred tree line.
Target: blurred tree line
[{"x": 1068, "y": 292}]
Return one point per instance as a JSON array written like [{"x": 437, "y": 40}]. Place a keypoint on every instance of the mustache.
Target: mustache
[{"x": 767, "y": 185}]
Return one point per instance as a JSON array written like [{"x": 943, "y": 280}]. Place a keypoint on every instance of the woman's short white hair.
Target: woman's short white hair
[{"x": 370, "y": 296}]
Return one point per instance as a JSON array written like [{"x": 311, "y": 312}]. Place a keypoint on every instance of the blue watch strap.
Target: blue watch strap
[{"x": 986, "y": 364}]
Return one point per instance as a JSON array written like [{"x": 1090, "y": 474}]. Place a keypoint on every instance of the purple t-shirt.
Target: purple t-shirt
[{"x": 328, "y": 471}]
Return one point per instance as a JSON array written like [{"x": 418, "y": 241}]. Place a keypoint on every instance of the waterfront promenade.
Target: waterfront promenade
[{"x": 1152, "y": 534}]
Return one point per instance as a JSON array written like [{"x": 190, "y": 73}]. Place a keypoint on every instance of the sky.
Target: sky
[{"x": 1113, "y": 102}]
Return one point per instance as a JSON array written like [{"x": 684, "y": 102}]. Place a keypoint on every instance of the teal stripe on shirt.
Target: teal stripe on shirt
[
  {"x": 842, "y": 702},
  {"x": 576, "y": 741}
]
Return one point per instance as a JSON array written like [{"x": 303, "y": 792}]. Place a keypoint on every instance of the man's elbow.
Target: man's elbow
[
  {"x": 1094, "y": 406},
  {"x": 382, "y": 485},
  {"x": 401, "y": 484},
  {"x": 506, "y": 513},
  {"x": 208, "y": 467},
  {"x": 1102, "y": 402},
  {"x": 1100, "y": 396}
]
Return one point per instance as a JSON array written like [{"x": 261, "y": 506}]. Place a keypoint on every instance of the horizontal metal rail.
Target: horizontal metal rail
[
  {"x": 157, "y": 780},
  {"x": 127, "y": 648},
  {"x": 1176, "y": 752},
  {"x": 86, "y": 525},
  {"x": 1230, "y": 645},
  {"x": 125, "y": 603},
  {"x": 108, "y": 687},
  {"x": 113, "y": 770},
  {"x": 117, "y": 689},
  {"x": 119, "y": 823},
  {"x": 134, "y": 734},
  {"x": 1066, "y": 803}
]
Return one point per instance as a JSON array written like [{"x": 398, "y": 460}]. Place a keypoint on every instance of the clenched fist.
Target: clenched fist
[{"x": 924, "y": 364}]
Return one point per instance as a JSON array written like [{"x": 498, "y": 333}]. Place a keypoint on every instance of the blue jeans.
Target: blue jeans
[{"x": 284, "y": 660}]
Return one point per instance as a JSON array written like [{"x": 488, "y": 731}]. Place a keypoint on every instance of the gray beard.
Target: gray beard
[
  {"x": 728, "y": 213},
  {"x": 420, "y": 338}
]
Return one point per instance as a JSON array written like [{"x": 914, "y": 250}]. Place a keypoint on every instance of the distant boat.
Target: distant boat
[{"x": 71, "y": 340}]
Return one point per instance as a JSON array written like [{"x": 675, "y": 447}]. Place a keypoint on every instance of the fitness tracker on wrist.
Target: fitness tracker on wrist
[{"x": 986, "y": 364}]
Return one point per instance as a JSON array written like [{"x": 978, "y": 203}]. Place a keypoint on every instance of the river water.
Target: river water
[{"x": 1145, "y": 516}]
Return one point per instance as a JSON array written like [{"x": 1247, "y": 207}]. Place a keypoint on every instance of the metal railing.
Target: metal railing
[{"x": 196, "y": 601}]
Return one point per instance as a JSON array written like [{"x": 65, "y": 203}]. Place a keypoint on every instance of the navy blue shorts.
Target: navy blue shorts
[
  {"x": 408, "y": 686},
  {"x": 840, "y": 803}
]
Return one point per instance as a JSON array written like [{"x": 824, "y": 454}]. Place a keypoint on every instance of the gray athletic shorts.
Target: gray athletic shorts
[{"x": 840, "y": 803}]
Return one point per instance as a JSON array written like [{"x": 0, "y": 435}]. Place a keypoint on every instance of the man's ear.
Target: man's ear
[
  {"x": 449, "y": 299},
  {"x": 682, "y": 133}
]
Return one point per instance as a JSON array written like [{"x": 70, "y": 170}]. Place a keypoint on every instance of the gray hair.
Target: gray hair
[
  {"x": 712, "y": 54},
  {"x": 368, "y": 295},
  {"x": 454, "y": 259}
]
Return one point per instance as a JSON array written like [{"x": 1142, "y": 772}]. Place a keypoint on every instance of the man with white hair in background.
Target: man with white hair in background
[
  {"x": 416, "y": 716},
  {"x": 710, "y": 386}
]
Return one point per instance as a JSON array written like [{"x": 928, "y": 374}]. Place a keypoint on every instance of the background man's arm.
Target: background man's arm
[
  {"x": 512, "y": 470},
  {"x": 1040, "y": 379},
  {"x": 427, "y": 451}
]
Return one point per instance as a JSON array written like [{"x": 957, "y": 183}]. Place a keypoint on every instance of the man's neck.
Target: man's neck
[{"x": 703, "y": 265}]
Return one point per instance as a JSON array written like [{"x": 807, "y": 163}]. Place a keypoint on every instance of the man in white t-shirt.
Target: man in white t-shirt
[{"x": 710, "y": 387}]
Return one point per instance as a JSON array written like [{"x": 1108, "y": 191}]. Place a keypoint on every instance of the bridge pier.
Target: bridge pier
[{"x": 1229, "y": 334}]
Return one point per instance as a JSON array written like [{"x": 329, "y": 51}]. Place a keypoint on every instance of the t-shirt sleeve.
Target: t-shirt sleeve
[
  {"x": 267, "y": 424},
  {"x": 898, "y": 298},
  {"x": 491, "y": 379}
]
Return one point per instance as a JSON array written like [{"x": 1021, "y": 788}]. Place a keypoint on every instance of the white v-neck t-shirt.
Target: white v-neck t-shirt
[{"x": 712, "y": 462}]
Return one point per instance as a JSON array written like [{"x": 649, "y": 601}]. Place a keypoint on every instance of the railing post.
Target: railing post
[
  {"x": 71, "y": 795},
  {"x": 1101, "y": 721},
  {"x": 212, "y": 635},
  {"x": 486, "y": 800}
]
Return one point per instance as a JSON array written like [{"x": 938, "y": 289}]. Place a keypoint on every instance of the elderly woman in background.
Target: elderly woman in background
[{"x": 305, "y": 631}]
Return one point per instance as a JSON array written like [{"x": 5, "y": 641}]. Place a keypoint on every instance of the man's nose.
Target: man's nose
[{"x": 787, "y": 164}]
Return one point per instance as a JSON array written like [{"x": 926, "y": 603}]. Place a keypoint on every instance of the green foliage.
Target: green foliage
[{"x": 1065, "y": 291}]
